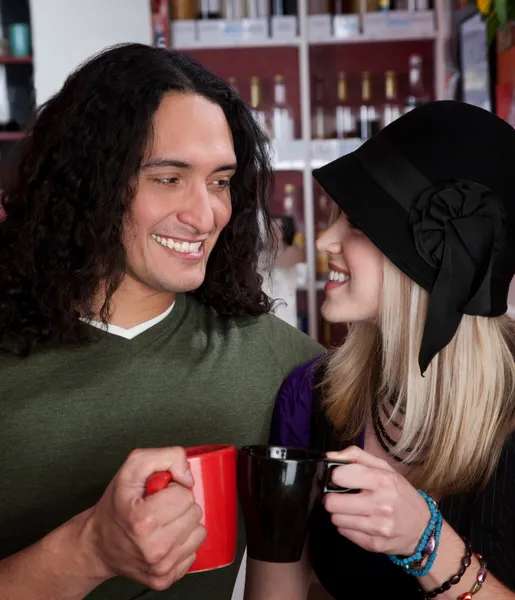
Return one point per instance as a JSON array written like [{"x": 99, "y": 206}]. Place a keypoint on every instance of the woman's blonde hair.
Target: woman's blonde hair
[{"x": 458, "y": 415}]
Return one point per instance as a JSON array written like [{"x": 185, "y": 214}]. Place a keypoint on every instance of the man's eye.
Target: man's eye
[
  {"x": 166, "y": 180},
  {"x": 223, "y": 184}
]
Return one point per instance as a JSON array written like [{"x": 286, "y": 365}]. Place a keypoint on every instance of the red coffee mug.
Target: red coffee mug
[{"x": 214, "y": 471}]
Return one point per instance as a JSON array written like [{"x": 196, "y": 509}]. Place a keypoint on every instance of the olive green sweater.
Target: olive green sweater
[{"x": 69, "y": 418}]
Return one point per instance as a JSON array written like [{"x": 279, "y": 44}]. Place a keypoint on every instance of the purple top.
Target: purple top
[
  {"x": 291, "y": 420},
  {"x": 489, "y": 528},
  {"x": 291, "y": 425}
]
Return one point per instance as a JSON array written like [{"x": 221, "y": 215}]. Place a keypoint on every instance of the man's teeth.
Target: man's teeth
[
  {"x": 185, "y": 247},
  {"x": 337, "y": 276}
]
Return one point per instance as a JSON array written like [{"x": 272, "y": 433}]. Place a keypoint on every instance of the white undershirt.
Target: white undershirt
[{"x": 132, "y": 332}]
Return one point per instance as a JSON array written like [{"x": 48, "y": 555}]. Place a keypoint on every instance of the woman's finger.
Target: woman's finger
[
  {"x": 360, "y": 477},
  {"x": 372, "y": 526},
  {"x": 350, "y": 504},
  {"x": 357, "y": 455}
]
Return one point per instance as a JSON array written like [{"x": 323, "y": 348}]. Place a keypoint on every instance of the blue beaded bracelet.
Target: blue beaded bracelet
[
  {"x": 434, "y": 527},
  {"x": 425, "y": 570}
]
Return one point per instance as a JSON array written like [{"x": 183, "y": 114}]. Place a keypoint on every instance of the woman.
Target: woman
[{"x": 421, "y": 397}]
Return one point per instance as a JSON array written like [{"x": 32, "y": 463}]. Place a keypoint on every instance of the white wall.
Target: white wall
[{"x": 67, "y": 32}]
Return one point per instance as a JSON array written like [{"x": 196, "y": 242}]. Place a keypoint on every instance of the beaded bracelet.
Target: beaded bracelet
[
  {"x": 480, "y": 578},
  {"x": 455, "y": 579},
  {"x": 433, "y": 529},
  {"x": 415, "y": 569}
]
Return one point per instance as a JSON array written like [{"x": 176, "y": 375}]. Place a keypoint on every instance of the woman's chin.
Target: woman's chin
[{"x": 332, "y": 313}]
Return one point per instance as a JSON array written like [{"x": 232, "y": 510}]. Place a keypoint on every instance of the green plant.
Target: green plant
[{"x": 496, "y": 13}]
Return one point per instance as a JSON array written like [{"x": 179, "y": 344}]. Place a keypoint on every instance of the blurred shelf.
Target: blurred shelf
[
  {"x": 11, "y": 136},
  {"x": 320, "y": 286},
  {"x": 364, "y": 39},
  {"x": 271, "y": 43},
  {"x": 15, "y": 60},
  {"x": 288, "y": 165},
  {"x": 289, "y": 155}
]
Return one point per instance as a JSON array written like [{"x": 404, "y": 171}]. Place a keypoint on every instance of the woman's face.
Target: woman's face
[{"x": 353, "y": 289}]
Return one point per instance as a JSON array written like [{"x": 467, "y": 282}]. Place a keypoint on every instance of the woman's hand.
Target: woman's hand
[{"x": 388, "y": 515}]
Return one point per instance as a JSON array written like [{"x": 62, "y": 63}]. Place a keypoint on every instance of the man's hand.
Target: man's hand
[{"x": 151, "y": 539}]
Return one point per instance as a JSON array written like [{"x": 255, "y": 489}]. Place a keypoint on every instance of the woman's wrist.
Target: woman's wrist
[{"x": 449, "y": 562}]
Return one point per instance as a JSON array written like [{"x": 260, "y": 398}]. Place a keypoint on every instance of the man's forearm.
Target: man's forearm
[{"x": 61, "y": 566}]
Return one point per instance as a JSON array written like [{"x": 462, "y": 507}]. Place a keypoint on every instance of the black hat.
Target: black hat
[{"x": 435, "y": 192}]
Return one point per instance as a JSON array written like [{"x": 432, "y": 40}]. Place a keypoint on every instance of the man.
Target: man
[{"x": 132, "y": 324}]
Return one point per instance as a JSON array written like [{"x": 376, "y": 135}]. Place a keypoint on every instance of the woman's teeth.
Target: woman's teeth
[
  {"x": 337, "y": 276},
  {"x": 185, "y": 247}
]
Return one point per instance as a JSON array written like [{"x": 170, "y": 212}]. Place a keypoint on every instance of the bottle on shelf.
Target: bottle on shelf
[
  {"x": 405, "y": 5},
  {"x": 234, "y": 10},
  {"x": 258, "y": 9},
  {"x": 416, "y": 94},
  {"x": 372, "y": 5},
  {"x": 280, "y": 8},
  {"x": 322, "y": 260},
  {"x": 422, "y": 5},
  {"x": 318, "y": 7},
  {"x": 256, "y": 102},
  {"x": 345, "y": 120},
  {"x": 344, "y": 7},
  {"x": 289, "y": 200},
  {"x": 210, "y": 9},
  {"x": 282, "y": 282},
  {"x": 233, "y": 82},
  {"x": 299, "y": 238},
  {"x": 391, "y": 110},
  {"x": 282, "y": 123},
  {"x": 368, "y": 119},
  {"x": 184, "y": 9},
  {"x": 159, "y": 35},
  {"x": 319, "y": 117},
  {"x": 293, "y": 210}
]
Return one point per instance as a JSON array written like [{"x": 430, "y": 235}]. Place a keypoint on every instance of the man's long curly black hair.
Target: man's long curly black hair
[{"x": 73, "y": 182}]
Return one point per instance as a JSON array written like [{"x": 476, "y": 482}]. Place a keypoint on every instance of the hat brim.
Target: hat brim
[{"x": 381, "y": 218}]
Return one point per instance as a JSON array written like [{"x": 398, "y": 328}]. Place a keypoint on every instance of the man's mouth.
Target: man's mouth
[{"x": 178, "y": 246}]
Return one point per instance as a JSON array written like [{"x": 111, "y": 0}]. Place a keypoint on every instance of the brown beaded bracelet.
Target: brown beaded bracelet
[
  {"x": 446, "y": 586},
  {"x": 480, "y": 579}
]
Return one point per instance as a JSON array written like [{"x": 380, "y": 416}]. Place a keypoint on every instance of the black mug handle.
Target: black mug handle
[{"x": 329, "y": 486}]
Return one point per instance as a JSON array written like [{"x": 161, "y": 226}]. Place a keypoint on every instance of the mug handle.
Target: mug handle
[
  {"x": 329, "y": 486},
  {"x": 157, "y": 481}
]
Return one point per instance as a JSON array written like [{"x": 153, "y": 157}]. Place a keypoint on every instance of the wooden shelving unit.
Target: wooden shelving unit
[
  {"x": 11, "y": 136},
  {"x": 6, "y": 59},
  {"x": 299, "y": 60},
  {"x": 18, "y": 77}
]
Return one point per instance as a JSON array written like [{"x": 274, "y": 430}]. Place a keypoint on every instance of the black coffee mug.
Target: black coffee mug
[{"x": 278, "y": 488}]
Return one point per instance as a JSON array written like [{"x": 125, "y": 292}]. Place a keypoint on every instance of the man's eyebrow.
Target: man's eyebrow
[
  {"x": 165, "y": 162},
  {"x": 179, "y": 164}
]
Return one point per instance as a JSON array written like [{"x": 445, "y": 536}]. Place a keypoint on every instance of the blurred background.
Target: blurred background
[{"x": 320, "y": 75}]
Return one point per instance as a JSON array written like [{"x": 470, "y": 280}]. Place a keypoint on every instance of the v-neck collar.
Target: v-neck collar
[{"x": 140, "y": 341}]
